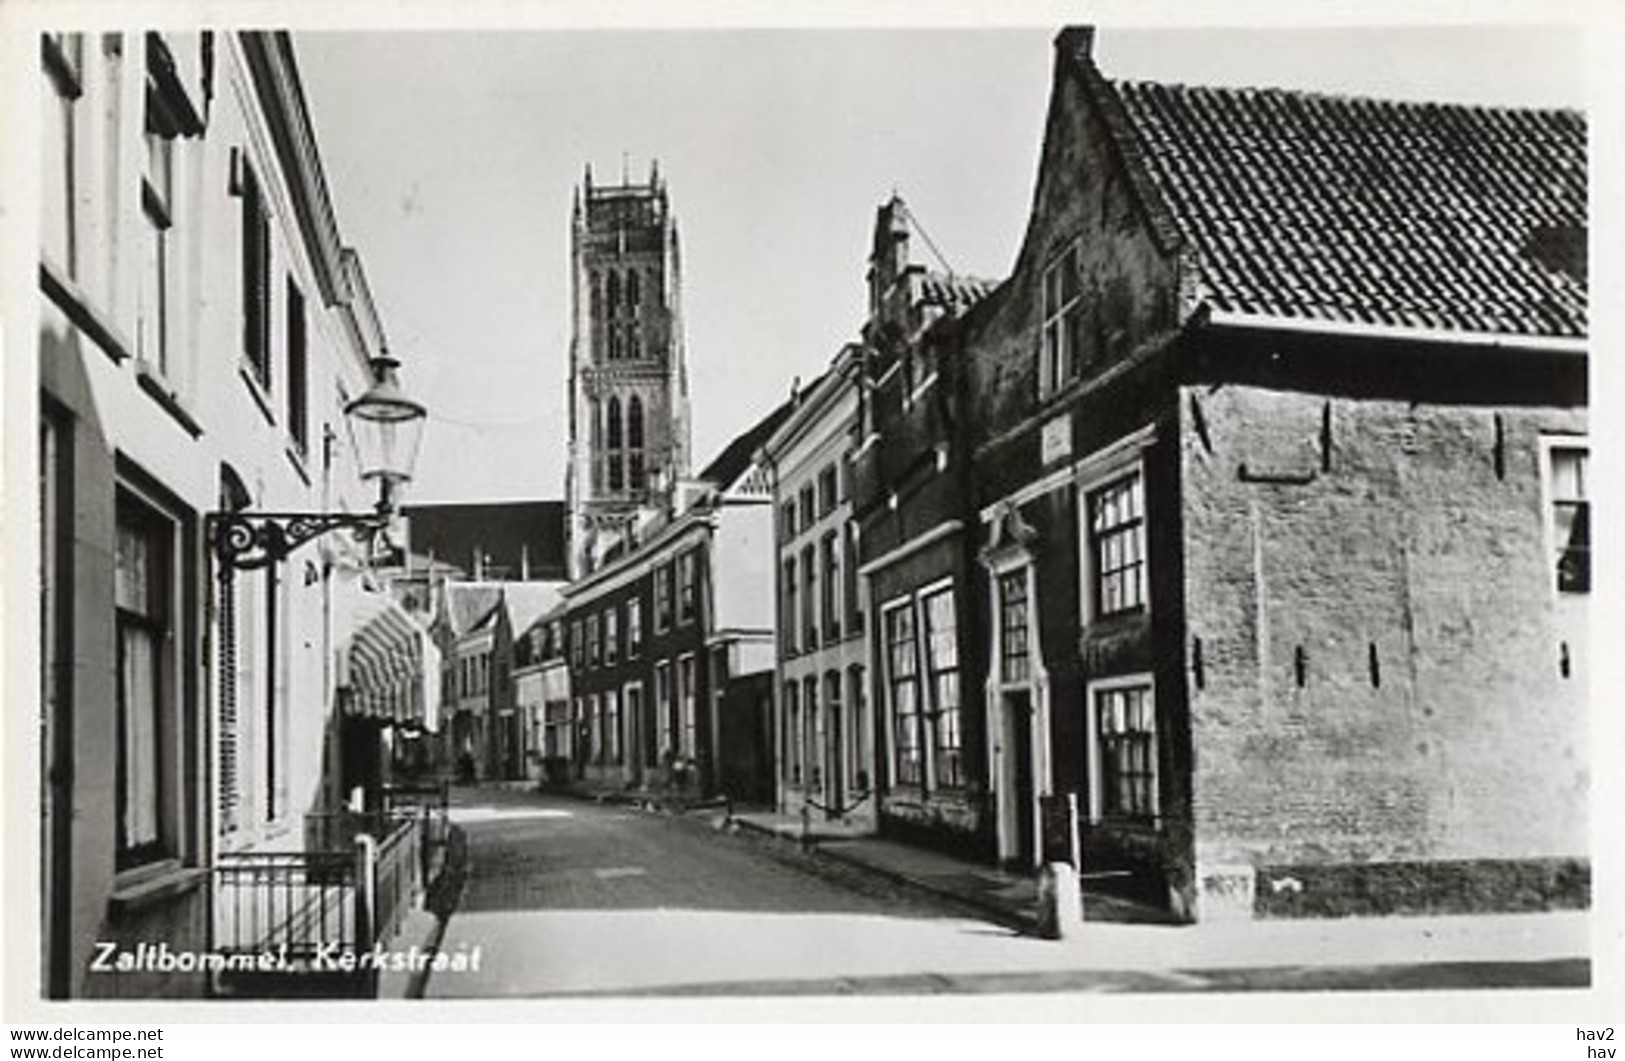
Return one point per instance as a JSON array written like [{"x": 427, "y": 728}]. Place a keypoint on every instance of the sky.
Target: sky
[{"x": 453, "y": 157}]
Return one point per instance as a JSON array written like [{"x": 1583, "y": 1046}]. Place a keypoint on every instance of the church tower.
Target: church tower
[{"x": 629, "y": 417}]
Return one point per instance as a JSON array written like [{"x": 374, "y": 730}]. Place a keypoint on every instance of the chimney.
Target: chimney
[{"x": 1076, "y": 41}]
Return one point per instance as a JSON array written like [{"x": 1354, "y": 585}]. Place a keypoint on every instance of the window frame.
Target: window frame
[
  {"x": 688, "y": 576},
  {"x": 935, "y": 716},
  {"x": 634, "y": 627},
  {"x": 891, "y": 642},
  {"x": 830, "y": 586},
  {"x": 1097, "y": 763},
  {"x": 1135, "y": 528},
  {"x": 256, "y": 294},
  {"x": 665, "y": 610},
  {"x": 687, "y": 706},
  {"x": 1556, "y": 552},
  {"x": 1059, "y": 316},
  {"x": 612, "y": 635}
]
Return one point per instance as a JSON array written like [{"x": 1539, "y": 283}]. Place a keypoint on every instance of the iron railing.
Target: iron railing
[
  {"x": 299, "y": 912},
  {"x": 294, "y": 905}
]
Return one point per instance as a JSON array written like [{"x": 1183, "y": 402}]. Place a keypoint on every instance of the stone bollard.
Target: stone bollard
[{"x": 1060, "y": 902}]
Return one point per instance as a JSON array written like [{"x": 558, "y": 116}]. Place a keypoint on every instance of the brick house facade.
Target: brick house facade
[{"x": 1249, "y": 433}]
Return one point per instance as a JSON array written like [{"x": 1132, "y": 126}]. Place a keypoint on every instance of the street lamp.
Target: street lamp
[{"x": 385, "y": 429}]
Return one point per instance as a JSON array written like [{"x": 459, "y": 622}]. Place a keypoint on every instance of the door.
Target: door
[
  {"x": 833, "y": 756},
  {"x": 1018, "y": 711}
]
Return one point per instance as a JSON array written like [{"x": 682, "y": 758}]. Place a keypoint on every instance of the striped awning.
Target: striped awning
[{"x": 394, "y": 668}]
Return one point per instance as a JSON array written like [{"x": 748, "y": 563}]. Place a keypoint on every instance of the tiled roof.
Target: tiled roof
[
  {"x": 953, "y": 293},
  {"x": 470, "y": 605},
  {"x": 1360, "y": 211},
  {"x": 736, "y": 456}
]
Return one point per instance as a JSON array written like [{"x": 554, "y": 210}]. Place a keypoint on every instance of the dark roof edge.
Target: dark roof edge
[{"x": 1073, "y": 47}]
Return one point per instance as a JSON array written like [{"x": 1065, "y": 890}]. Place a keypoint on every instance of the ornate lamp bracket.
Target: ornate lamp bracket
[{"x": 246, "y": 541}]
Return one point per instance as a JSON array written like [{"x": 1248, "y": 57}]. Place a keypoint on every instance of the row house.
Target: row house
[
  {"x": 202, "y": 333},
  {"x": 910, "y": 498},
  {"x": 825, "y": 729},
  {"x": 670, "y": 640},
  {"x": 1279, "y": 498},
  {"x": 541, "y": 679},
  {"x": 476, "y": 624}
]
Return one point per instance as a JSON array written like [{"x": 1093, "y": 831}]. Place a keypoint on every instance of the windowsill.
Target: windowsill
[
  {"x": 75, "y": 303},
  {"x": 257, "y": 390},
  {"x": 298, "y": 458},
  {"x": 157, "y": 386},
  {"x": 147, "y": 886}
]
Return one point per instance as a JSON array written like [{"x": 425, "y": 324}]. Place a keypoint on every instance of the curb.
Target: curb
[{"x": 997, "y": 912}]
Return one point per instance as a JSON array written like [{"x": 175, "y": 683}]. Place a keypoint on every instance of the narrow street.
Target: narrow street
[{"x": 566, "y": 897}]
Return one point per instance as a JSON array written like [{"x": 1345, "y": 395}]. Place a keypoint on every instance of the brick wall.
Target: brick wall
[{"x": 1379, "y": 633}]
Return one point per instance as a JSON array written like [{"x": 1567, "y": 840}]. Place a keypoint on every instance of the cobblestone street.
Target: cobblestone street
[{"x": 569, "y": 897}]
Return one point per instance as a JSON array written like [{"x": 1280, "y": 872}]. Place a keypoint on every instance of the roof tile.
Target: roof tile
[{"x": 1363, "y": 210}]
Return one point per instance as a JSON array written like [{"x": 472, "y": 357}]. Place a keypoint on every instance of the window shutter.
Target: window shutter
[{"x": 230, "y": 796}]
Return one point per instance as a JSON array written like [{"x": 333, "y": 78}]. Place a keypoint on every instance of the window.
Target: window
[
  {"x": 686, "y": 577},
  {"x": 902, "y": 674},
  {"x": 1571, "y": 517},
  {"x": 942, "y": 672},
  {"x": 1063, "y": 311},
  {"x": 612, "y": 725},
  {"x": 662, "y": 598},
  {"x": 814, "y": 740},
  {"x": 1125, "y": 751},
  {"x": 634, "y": 627},
  {"x": 145, "y": 773},
  {"x": 685, "y": 694},
  {"x": 792, "y": 732},
  {"x": 826, "y": 491},
  {"x": 858, "y": 729},
  {"x": 663, "y": 708},
  {"x": 809, "y": 598},
  {"x": 632, "y": 293},
  {"x": 787, "y": 520},
  {"x": 636, "y": 724},
  {"x": 809, "y": 515},
  {"x": 594, "y": 648},
  {"x": 578, "y": 646},
  {"x": 64, "y": 171},
  {"x": 617, "y": 479},
  {"x": 829, "y": 603},
  {"x": 1014, "y": 659},
  {"x": 832, "y": 711},
  {"x": 612, "y": 292},
  {"x": 1117, "y": 542},
  {"x": 155, "y": 336},
  {"x": 788, "y": 621},
  {"x": 634, "y": 442},
  {"x": 256, "y": 234},
  {"x": 612, "y": 634},
  {"x": 854, "y": 603},
  {"x": 298, "y": 370}
]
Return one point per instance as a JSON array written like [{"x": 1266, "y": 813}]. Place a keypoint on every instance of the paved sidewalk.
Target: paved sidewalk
[{"x": 1120, "y": 934}]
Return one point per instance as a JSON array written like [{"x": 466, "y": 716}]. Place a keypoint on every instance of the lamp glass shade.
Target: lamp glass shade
[{"x": 386, "y": 427}]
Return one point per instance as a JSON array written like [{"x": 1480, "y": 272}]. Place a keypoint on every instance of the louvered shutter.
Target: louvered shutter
[{"x": 230, "y": 795}]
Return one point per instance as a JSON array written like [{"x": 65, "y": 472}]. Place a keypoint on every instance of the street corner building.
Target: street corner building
[
  {"x": 1245, "y": 527},
  {"x": 220, "y": 694}
]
